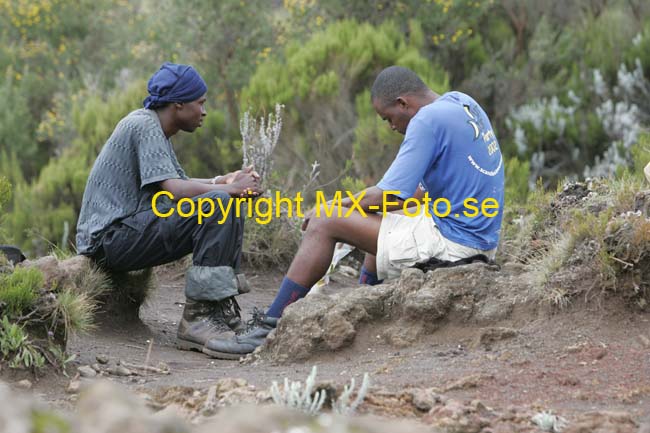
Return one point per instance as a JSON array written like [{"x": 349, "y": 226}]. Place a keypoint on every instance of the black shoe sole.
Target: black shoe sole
[
  {"x": 188, "y": 345},
  {"x": 223, "y": 355}
]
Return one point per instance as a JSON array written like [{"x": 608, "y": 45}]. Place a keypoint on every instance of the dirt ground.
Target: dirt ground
[{"x": 585, "y": 358}]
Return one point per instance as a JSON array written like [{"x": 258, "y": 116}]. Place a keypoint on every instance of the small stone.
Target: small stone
[
  {"x": 102, "y": 359},
  {"x": 424, "y": 399},
  {"x": 24, "y": 384},
  {"x": 96, "y": 367},
  {"x": 119, "y": 371},
  {"x": 73, "y": 387},
  {"x": 645, "y": 341},
  {"x": 86, "y": 371},
  {"x": 598, "y": 353},
  {"x": 488, "y": 336}
]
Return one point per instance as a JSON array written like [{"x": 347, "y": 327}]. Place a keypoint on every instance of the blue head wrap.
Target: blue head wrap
[{"x": 174, "y": 83}]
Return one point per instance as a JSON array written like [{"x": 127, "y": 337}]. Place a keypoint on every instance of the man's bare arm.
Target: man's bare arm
[
  {"x": 220, "y": 180},
  {"x": 181, "y": 188}
]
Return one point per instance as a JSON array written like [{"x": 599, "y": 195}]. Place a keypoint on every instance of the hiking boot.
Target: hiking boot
[
  {"x": 203, "y": 320},
  {"x": 243, "y": 344}
]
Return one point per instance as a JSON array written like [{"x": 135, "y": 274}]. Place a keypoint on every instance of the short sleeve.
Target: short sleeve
[
  {"x": 156, "y": 159},
  {"x": 417, "y": 153}
]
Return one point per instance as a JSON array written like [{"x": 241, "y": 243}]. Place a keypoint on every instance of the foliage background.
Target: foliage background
[{"x": 566, "y": 83}]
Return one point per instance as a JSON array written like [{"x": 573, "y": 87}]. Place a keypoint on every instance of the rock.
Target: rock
[
  {"x": 73, "y": 387},
  {"x": 339, "y": 331},
  {"x": 424, "y": 399},
  {"x": 53, "y": 275},
  {"x": 325, "y": 323},
  {"x": 603, "y": 422},
  {"x": 488, "y": 336},
  {"x": 417, "y": 304},
  {"x": 102, "y": 359},
  {"x": 256, "y": 419},
  {"x": 598, "y": 353},
  {"x": 469, "y": 382},
  {"x": 430, "y": 302},
  {"x": 493, "y": 310},
  {"x": 74, "y": 265},
  {"x": 403, "y": 333},
  {"x": 96, "y": 367},
  {"x": 104, "y": 407},
  {"x": 86, "y": 371},
  {"x": 174, "y": 410},
  {"x": 24, "y": 384},
  {"x": 377, "y": 301},
  {"x": 119, "y": 370},
  {"x": 645, "y": 341},
  {"x": 17, "y": 414},
  {"x": 410, "y": 281}
]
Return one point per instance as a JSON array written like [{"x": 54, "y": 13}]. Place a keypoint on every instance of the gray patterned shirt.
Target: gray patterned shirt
[{"x": 125, "y": 176}]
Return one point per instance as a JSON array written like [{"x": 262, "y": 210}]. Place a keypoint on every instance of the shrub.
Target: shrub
[
  {"x": 19, "y": 290},
  {"x": 323, "y": 83}
]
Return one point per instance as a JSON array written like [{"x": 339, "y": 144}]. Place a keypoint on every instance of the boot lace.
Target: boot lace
[
  {"x": 256, "y": 320},
  {"x": 230, "y": 309},
  {"x": 222, "y": 312}
]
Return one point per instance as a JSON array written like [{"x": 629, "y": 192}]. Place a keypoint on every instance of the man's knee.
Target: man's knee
[
  {"x": 217, "y": 195},
  {"x": 220, "y": 210},
  {"x": 323, "y": 223}
]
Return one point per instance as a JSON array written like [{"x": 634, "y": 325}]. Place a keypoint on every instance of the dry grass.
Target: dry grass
[{"x": 591, "y": 238}]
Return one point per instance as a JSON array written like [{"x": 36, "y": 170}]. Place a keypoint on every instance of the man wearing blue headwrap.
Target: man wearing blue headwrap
[{"x": 119, "y": 230}]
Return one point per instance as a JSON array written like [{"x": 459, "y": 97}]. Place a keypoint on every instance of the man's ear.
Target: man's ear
[
  {"x": 178, "y": 105},
  {"x": 402, "y": 102}
]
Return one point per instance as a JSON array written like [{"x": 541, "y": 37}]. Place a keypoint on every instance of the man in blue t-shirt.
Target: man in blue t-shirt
[{"x": 442, "y": 197}]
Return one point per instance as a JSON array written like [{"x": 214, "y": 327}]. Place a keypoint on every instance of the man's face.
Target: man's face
[
  {"x": 191, "y": 114},
  {"x": 397, "y": 114}
]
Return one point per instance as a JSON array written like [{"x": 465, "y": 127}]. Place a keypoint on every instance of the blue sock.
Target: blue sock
[
  {"x": 368, "y": 277},
  {"x": 289, "y": 293}
]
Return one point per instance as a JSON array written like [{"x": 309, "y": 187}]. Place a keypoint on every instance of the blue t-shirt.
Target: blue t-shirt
[{"x": 451, "y": 150}]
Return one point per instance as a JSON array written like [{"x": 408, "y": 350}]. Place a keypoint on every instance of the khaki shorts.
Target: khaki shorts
[{"x": 404, "y": 241}]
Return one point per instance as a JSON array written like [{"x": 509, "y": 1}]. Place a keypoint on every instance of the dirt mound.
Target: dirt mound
[{"x": 416, "y": 304}]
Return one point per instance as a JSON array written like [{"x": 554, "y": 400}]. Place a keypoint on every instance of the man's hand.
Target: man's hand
[
  {"x": 246, "y": 182},
  {"x": 230, "y": 177}
]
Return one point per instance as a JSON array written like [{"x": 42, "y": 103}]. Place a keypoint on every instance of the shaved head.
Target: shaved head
[{"x": 396, "y": 81}]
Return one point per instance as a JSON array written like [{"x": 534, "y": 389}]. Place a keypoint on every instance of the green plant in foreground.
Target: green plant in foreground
[
  {"x": 294, "y": 396},
  {"x": 19, "y": 290},
  {"x": 76, "y": 310},
  {"x": 61, "y": 358},
  {"x": 549, "y": 422},
  {"x": 16, "y": 347},
  {"x": 49, "y": 422}
]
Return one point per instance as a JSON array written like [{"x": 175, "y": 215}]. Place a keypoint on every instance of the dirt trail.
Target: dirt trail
[{"x": 583, "y": 359}]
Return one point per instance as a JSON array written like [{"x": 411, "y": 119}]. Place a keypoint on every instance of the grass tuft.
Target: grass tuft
[{"x": 19, "y": 290}]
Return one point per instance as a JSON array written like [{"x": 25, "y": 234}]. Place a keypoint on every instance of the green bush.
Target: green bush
[
  {"x": 640, "y": 155},
  {"x": 19, "y": 290},
  {"x": 517, "y": 178},
  {"x": 323, "y": 83},
  {"x": 5, "y": 192},
  {"x": 41, "y": 209}
]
